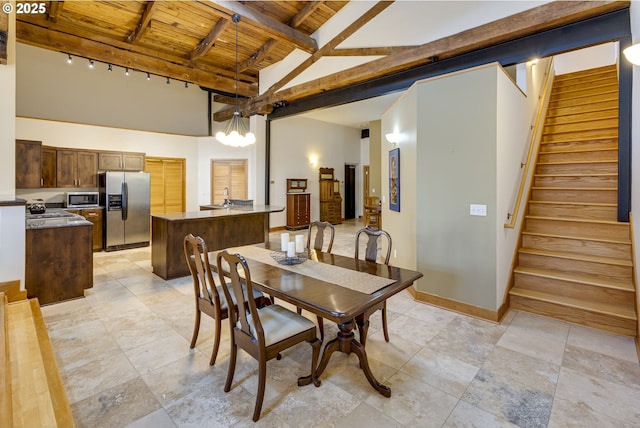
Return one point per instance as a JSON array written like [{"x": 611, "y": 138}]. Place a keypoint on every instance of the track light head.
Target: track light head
[
  {"x": 69, "y": 59},
  {"x": 110, "y": 68},
  {"x": 148, "y": 76},
  {"x": 90, "y": 63},
  {"x": 126, "y": 71}
]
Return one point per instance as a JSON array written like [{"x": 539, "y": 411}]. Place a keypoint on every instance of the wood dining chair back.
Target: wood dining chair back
[
  {"x": 262, "y": 332},
  {"x": 319, "y": 228},
  {"x": 371, "y": 255},
  {"x": 210, "y": 298}
]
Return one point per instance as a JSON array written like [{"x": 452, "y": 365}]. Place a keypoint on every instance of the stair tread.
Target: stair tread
[
  {"x": 578, "y": 238},
  {"x": 572, "y": 188},
  {"x": 577, "y": 256},
  {"x": 579, "y": 220},
  {"x": 582, "y": 162},
  {"x": 583, "y": 279},
  {"x": 578, "y": 175},
  {"x": 583, "y": 150},
  {"x": 597, "y": 204},
  {"x": 604, "y": 308}
]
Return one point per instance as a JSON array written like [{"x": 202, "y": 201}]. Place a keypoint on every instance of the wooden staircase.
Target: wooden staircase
[{"x": 575, "y": 259}]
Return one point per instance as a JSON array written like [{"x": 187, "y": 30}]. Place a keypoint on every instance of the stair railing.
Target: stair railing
[{"x": 534, "y": 144}]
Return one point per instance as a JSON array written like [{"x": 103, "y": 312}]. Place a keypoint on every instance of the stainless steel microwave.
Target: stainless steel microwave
[{"x": 81, "y": 199}]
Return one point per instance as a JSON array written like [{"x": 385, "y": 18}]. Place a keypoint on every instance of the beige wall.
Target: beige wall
[{"x": 375, "y": 140}]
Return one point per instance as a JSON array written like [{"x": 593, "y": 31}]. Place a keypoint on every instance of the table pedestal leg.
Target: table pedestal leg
[{"x": 345, "y": 342}]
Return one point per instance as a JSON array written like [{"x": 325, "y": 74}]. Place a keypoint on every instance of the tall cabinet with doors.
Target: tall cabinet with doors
[
  {"x": 298, "y": 203},
  {"x": 330, "y": 198}
]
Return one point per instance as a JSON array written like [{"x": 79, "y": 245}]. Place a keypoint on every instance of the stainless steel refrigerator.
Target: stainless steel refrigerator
[{"x": 126, "y": 198}]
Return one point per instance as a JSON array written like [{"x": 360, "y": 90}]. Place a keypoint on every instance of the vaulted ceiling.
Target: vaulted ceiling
[{"x": 195, "y": 41}]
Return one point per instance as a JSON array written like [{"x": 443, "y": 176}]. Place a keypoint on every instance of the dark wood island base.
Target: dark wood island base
[{"x": 220, "y": 228}]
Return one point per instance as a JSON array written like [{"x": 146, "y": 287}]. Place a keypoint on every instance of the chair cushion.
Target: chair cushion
[
  {"x": 280, "y": 323},
  {"x": 223, "y": 299}
]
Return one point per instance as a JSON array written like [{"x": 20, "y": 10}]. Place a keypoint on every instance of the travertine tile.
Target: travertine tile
[
  {"x": 603, "y": 343},
  {"x": 152, "y": 355},
  {"x": 467, "y": 416}
]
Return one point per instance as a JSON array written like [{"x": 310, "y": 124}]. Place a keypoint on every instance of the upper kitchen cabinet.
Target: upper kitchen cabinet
[
  {"x": 120, "y": 161},
  {"x": 77, "y": 168},
  {"x": 28, "y": 164},
  {"x": 49, "y": 166}
]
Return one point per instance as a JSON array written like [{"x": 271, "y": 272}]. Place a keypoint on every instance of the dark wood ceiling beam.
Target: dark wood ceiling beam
[
  {"x": 74, "y": 45},
  {"x": 308, "y": 8},
  {"x": 255, "y": 59},
  {"x": 276, "y": 29},
  {"x": 144, "y": 22},
  {"x": 55, "y": 7},
  {"x": 379, "y": 51},
  {"x": 224, "y": 99},
  {"x": 547, "y": 16},
  {"x": 207, "y": 43}
]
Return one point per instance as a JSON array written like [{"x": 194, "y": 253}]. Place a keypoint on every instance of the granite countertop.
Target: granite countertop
[
  {"x": 214, "y": 211},
  {"x": 54, "y": 217}
]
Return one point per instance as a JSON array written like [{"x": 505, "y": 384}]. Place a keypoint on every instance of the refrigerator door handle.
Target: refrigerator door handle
[{"x": 125, "y": 201}]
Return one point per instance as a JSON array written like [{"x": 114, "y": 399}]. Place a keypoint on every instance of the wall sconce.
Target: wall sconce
[
  {"x": 313, "y": 160},
  {"x": 632, "y": 53},
  {"x": 393, "y": 137},
  {"x": 533, "y": 61}
]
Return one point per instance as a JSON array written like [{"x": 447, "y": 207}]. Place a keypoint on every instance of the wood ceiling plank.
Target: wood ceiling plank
[{"x": 55, "y": 7}]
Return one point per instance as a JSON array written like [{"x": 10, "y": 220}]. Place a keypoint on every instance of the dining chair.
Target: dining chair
[
  {"x": 318, "y": 242},
  {"x": 371, "y": 254},
  {"x": 262, "y": 332},
  {"x": 210, "y": 298}
]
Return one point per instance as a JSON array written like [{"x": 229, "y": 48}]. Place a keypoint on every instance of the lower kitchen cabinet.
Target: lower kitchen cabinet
[
  {"x": 95, "y": 216},
  {"x": 58, "y": 263}
]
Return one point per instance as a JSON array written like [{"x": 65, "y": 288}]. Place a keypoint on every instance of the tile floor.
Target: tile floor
[{"x": 123, "y": 352}]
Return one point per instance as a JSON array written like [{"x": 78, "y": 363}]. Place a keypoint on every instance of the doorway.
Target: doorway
[{"x": 349, "y": 191}]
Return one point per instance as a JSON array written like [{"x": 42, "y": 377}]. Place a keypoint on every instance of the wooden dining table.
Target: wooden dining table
[{"x": 337, "y": 288}]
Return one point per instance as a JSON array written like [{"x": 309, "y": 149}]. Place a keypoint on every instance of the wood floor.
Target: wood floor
[{"x": 575, "y": 261}]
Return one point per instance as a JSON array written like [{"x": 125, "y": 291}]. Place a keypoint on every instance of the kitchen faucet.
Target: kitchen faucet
[{"x": 227, "y": 201}]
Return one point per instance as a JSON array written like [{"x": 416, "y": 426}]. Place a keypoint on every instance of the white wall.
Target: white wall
[
  {"x": 50, "y": 88},
  {"x": 12, "y": 231},
  {"x": 584, "y": 59},
  {"x": 294, "y": 141}
]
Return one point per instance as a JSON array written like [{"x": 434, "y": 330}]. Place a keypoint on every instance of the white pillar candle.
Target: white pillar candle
[
  {"x": 284, "y": 240},
  {"x": 299, "y": 244},
  {"x": 291, "y": 249}
]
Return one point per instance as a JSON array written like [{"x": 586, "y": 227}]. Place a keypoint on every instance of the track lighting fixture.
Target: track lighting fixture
[
  {"x": 90, "y": 63},
  {"x": 148, "y": 76},
  {"x": 110, "y": 68},
  {"x": 126, "y": 71},
  {"x": 186, "y": 84},
  {"x": 69, "y": 59},
  {"x": 168, "y": 82}
]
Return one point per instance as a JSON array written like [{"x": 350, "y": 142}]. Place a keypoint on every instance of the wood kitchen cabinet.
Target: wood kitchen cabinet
[
  {"x": 28, "y": 164},
  {"x": 76, "y": 168},
  {"x": 121, "y": 161},
  {"x": 49, "y": 167},
  {"x": 95, "y": 216}
]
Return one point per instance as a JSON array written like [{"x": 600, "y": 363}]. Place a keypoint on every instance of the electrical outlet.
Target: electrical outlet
[{"x": 478, "y": 210}]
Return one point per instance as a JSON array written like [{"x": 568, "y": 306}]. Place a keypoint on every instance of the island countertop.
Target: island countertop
[{"x": 217, "y": 211}]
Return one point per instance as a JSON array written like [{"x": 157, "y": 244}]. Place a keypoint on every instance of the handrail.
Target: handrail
[{"x": 533, "y": 144}]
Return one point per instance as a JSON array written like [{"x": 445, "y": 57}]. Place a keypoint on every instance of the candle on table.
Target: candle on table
[
  {"x": 299, "y": 244},
  {"x": 291, "y": 249},
  {"x": 284, "y": 240}
]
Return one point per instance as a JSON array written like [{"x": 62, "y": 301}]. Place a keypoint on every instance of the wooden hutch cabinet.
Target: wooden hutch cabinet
[
  {"x": 298, "y": 203},
  {"x": 330, "y": 199}
]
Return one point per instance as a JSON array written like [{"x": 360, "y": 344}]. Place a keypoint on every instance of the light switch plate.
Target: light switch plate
[{"x": 478, "y": 210}]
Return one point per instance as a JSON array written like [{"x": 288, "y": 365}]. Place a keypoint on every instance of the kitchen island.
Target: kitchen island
[
  {"x": 58, "y": 256},
  {"x": 220, "y": 227}
]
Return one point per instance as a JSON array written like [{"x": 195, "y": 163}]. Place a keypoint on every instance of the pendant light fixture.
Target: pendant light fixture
[{"x": 236, "y": 133}]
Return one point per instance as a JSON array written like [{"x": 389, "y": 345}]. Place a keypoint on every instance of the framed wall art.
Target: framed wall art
[{"x": 394, "y": 179}]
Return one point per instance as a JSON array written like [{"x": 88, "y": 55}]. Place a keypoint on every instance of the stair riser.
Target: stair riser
[
  {"x": 610, "y": 103},
  {"x": 580, "y": 135},
  {"x": 582, "y": 117},
  {"x": 576, "y": 267},
  {"x": 578, "y": 246},
  {"x": 595, "y": 89},
  {"x": 575, "y": 195},
  {"x": 615, "y": 231},
  {"x": 607, "y": 144},
  {"x": 584, "y": 181},
  {"x": 586, "y": 212},
  {"x": 585, "y": 84},
  {"x": 578, "y": 168},
  {"x": 590, "y": 125},
  {"x": 575, "y": 290},
  {"x": 599, "y": 155},
  {"x": 604, "y": 322},
  {"x": 574, "y": 102}
]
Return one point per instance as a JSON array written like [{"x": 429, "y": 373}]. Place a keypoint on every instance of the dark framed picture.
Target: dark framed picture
[{"x": 394, "y": 179}]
